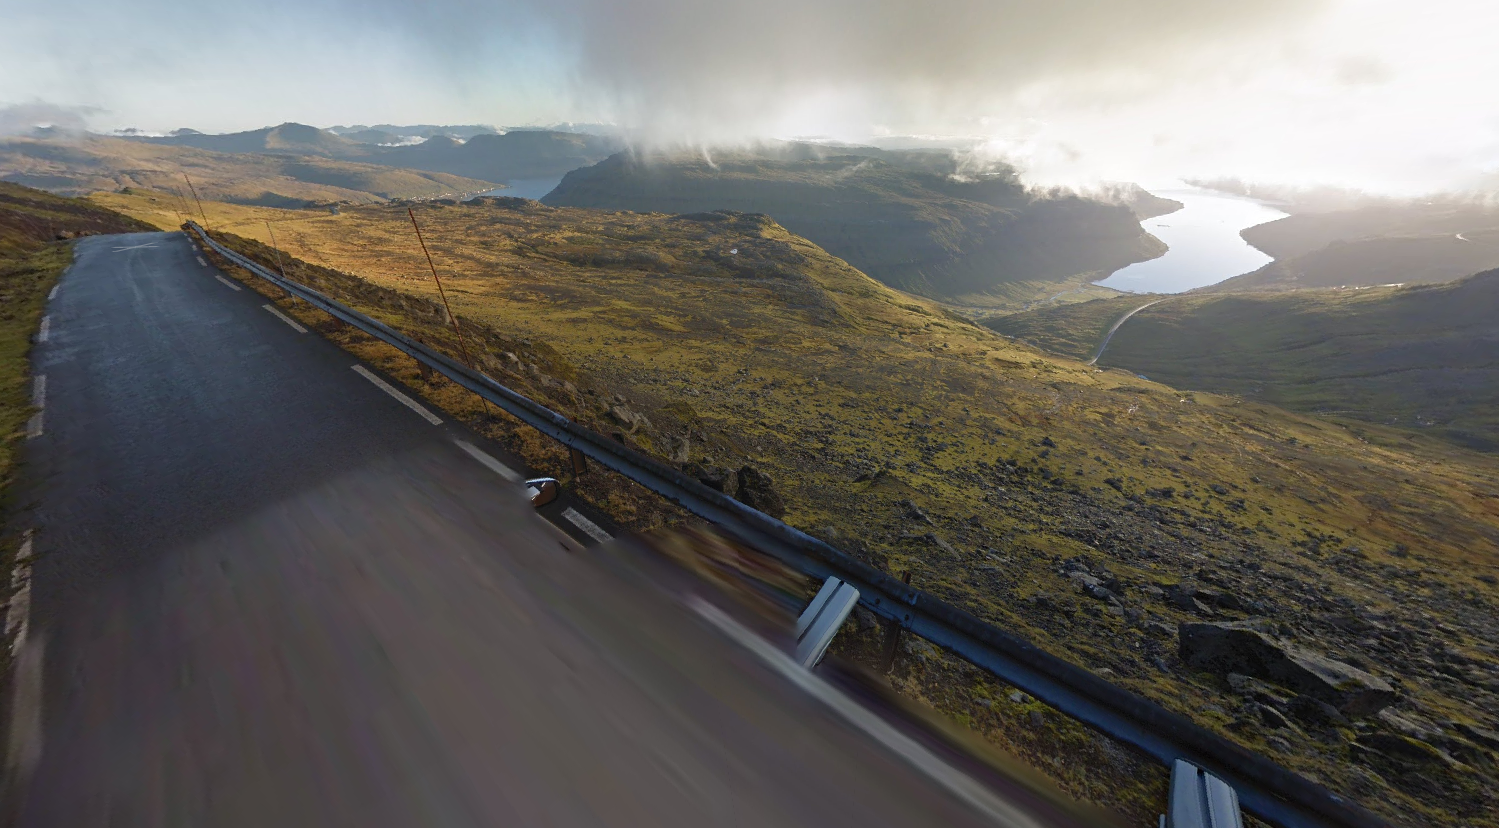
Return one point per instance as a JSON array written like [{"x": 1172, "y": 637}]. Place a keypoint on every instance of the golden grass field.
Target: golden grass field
[{"x": 923, "y": 443}]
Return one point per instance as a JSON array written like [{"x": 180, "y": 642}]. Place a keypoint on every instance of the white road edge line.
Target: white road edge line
[
  {"x": 489, "y": 462},
  {"x": 45, "y": 330},
  {"x": 24, "y": 747},
  {"x": 228, "y": 284},
  {"x": 283, "y": 317},
  {"x": 18, "y": 614},
  {"x": 52, "y": 294},
  {"x": 404, "y": 400},
  {"x": 591, "y": 529},
  {"x": 955, "y": 781},
  {"x": 39, "y": 402}
]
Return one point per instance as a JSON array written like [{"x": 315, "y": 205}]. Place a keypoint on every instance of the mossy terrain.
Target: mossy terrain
[
  {"x": 34, "y": 227},
  {"x": 1071, "y": 330},
  {"x": 78, "y": 165},
  {"x": 990, "y": 471},
  {"x": 1422, "y": 357},
  {"x": 914, "y": 220}
]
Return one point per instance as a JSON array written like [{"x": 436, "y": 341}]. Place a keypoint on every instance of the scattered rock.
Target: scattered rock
[
  {"x": 939, "y": 543},
  {"x": 1407, "y": 725},
  {"x": 1482, "y": 736},
  {"x": 757, "y": 491},
  {"x": 628, "y": 417},
  {"x": 865, "y": 619},
  {"x": 1020, "y": 698},
  {"x": 1412, "y": 754},
  {"x": 1159, "y": 629},
  {"x": 1092, "y": 587},
  {"x": 1314, "y": 712},
  {"x": 713, "y": 477},
  {"x": 1270, "y": 716},
  {"x": 1188, "y": 596},
  {"x": 1241, "y": 647},
  {"x": 913, "y": 512}
]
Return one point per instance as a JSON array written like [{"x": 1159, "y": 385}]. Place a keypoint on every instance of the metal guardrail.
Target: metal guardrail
[{"x": 1265, "y": 789}]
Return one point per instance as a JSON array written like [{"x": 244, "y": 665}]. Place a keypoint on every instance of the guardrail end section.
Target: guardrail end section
[
  {"x": 822, "y": 619},
  {"x": 1200, "y": 800}
]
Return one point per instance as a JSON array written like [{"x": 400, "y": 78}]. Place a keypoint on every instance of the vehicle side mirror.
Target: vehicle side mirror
[{"x": 543, "y": 490}]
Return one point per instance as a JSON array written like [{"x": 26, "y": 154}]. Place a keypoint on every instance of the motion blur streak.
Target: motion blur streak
[{"x": 271, "y": 595}]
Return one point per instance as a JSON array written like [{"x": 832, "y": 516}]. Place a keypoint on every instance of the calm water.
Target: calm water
[
  {"x": 1204, "y": 241},
  {"x": 533, "y": 188}
]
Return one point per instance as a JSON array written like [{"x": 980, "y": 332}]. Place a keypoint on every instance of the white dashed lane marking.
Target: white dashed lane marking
[
  {"x": 227, "y": 283},
  {"x": 404, "y": 400},
  {"x": 489, "y": 462},
  {"x": 202, "y": 262},
  {"x": 45, "y": 330},
  {"x": 39, "y": 402},
  {"x": 591, "y": 529},
  {"x": 284, "y": 318},
  {"x": 52, "y": 294}
]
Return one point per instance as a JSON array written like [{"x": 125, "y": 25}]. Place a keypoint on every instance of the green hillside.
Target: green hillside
[
  {"x": 1419, "y": 357},
  {"x": 906, "y": 218}
]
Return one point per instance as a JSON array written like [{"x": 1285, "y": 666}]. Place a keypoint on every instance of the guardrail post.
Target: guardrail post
[{"x": 892, "y": 635}]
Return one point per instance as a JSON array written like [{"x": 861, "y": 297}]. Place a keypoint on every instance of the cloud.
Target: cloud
[
  {"x": 21, "y": 119},
  {"x": 1373, "y": 92},
  {"x": 784, "y": 67}
]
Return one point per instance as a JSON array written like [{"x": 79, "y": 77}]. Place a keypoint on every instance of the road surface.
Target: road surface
[{"x": 266, "y": 592}]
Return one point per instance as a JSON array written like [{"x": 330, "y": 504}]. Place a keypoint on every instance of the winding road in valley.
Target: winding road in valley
[{"x": 1110, "y": 335}]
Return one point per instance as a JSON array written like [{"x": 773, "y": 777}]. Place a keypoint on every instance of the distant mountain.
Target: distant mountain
[
  {"x": 484, "y": 155},
  {"x": 286, "y": 139},
  {"x": 514, "y": 155},
  {"x": 907, "y": 218},
  {"x": 412, "y": 131},
  {"x": 80, "y": 165},
  {"x": 1423, "y": 357},
  {"x": 1380, "y": 243}
]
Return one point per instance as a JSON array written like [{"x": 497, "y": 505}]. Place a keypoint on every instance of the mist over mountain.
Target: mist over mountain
[
  {"x": 486, "y": 155},
  {"x": 907, "y": 218}
]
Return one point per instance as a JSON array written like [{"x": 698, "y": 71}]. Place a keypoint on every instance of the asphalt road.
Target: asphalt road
[
  {"x": 265, "y": 592},
  {"x": 1110, "y": 335}
]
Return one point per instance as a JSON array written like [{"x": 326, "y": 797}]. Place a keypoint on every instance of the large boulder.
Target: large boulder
[
  {"x": 1244, "y": 647},
  {"x": 757, "y": 491}
]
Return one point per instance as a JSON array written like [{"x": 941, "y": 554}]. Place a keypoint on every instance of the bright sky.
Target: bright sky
[{"x": 1396, "y": 96}]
